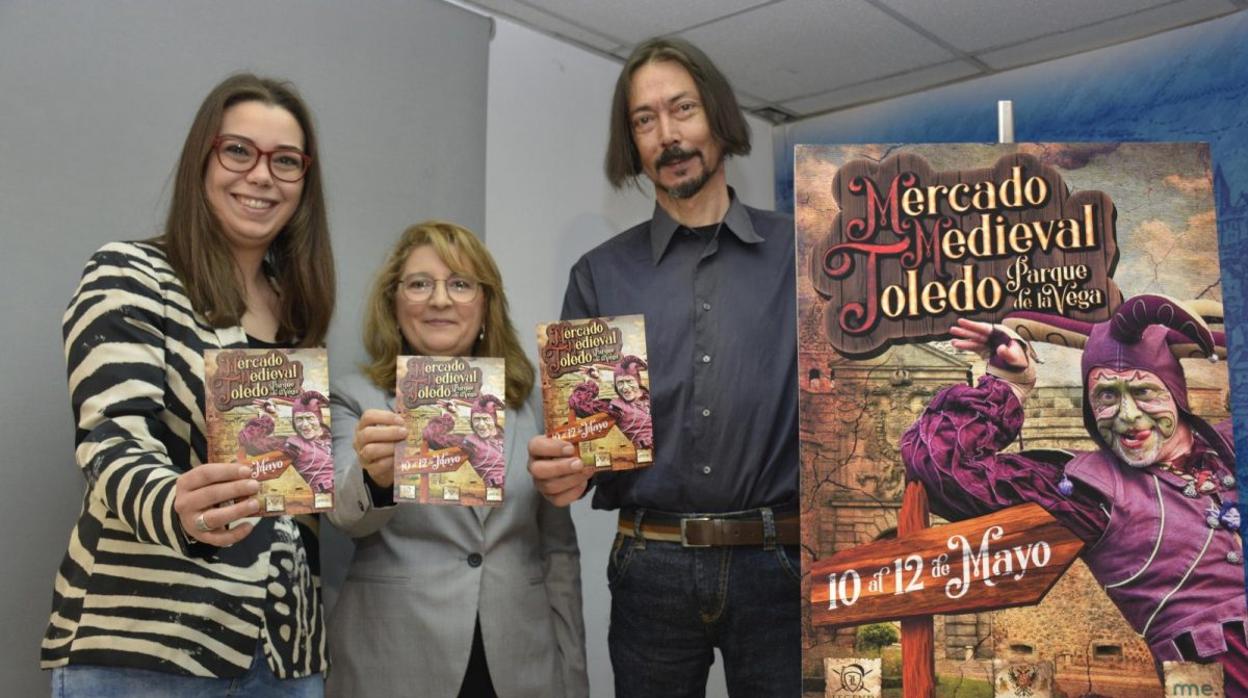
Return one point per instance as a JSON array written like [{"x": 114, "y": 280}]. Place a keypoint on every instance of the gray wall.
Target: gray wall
[{"x": 96, "y": 99}]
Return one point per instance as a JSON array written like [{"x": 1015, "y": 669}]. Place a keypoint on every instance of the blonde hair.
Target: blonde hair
[{"x": 459, "y": 249}]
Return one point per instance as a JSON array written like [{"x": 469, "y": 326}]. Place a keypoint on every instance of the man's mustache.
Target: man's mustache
[{"x": 675, "y": 154}]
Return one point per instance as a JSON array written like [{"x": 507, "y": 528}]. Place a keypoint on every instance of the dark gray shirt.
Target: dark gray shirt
[{"x": 721, "y": 337}]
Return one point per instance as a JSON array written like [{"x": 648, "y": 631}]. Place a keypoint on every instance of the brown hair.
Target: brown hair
[
  {"x": 727, "y": 123},
  {"x": 299, "y": 258},
  {"x": 460, "y": 250}
]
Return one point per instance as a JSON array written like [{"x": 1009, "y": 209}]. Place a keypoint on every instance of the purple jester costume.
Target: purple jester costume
[
  {"x": 309, "y": 447},
  {"x": 630, "y": 409},
  {"x": 484, "y": 446},
  {"x": 1163, "y": 537}
]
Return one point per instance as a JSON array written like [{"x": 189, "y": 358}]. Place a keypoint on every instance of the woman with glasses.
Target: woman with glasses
[
  {"x": 169, "y": 587},
  {"x": 443, "y": 601}
]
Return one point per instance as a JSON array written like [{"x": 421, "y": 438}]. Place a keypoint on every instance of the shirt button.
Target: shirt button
[
  {"x": 706, "y": 358},
  {"x": 474, "y": 560},
  {"x": 706, "y": 306},
  {"x": 706, "y": 412},
  {"x": 706, "y": 470}
]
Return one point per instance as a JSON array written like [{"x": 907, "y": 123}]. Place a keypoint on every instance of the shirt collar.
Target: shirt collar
[{"x": 663, "y": 227}]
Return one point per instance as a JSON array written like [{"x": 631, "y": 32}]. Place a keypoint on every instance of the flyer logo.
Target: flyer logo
[
  {"x": 429, "y": 380},
  {"x": 911, "y": 248}
]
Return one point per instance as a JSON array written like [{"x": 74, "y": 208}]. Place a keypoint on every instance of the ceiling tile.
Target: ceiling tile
[
  {"x": 884, "y": 88},
  {"x": 811, "y": 56},
  {"x": 636, "y": 20},
  {"x": 978, "y": 25},
  {"x": 543, "y": 22},
  {"x": 806, "y": 47},
  {"x": 1104, "y": 34},
  {"x": 749, "y": 101}
]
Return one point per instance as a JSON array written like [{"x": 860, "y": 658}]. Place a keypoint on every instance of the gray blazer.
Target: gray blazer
[{"x": 404, "y": 620}]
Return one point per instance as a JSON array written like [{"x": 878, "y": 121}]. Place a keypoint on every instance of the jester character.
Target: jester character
[
  {"x": 1155, "y": 504},
  {"x": 308, "y": 448},
  {"x": 630, "y": 410},
  {"x": 484, "y": 446}
]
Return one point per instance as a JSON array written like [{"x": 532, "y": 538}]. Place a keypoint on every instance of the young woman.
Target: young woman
[{"x": 165, "y": 590}]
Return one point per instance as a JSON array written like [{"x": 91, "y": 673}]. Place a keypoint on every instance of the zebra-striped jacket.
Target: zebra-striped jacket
[{"x": 133, "y": 590}]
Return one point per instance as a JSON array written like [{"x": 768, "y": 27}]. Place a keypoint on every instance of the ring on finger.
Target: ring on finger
[{"x": 201, "y": 524}]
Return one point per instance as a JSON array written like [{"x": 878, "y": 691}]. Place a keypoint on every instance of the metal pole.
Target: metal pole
[{"x": 1005, "y": 121}]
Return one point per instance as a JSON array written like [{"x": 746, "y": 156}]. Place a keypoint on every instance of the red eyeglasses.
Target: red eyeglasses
[{"x": 240, "y": 154}]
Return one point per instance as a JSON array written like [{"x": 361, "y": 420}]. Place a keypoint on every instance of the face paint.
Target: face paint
[
  {"x": 1135, "y": 414},
  {"x": 483, "y": 425},
  {"x": 627, "y": 388},
  {"x": 308, "y": 424}
]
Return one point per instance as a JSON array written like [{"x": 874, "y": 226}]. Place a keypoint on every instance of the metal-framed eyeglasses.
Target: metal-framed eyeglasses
[
  {"x": 240, "y": 154},
  {"x": 419, "y": 288}
]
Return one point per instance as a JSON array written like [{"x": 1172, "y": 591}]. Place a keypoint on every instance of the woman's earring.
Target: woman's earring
[{"x": 481, "y": 334}]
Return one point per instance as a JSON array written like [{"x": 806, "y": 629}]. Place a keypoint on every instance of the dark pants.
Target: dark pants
[{"x": 670, "y": 606}]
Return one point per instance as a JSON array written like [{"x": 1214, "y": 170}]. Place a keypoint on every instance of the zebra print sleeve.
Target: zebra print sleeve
[{"x": 115, "y": 358}]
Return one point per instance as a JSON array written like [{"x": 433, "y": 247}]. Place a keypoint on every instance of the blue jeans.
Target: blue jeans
[
  {"x": 77, "y": 681},
  {"x": 670, "y": 606}
]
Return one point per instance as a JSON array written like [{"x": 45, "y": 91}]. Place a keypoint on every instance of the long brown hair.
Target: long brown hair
[
  {"x": 299, "y": 258},
  {"x": 463, "y": 253},
  {"x": 727, "y": 123}
]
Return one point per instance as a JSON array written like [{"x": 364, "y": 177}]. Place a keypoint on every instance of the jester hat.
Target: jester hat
[{"x": 1147, "y": 332}]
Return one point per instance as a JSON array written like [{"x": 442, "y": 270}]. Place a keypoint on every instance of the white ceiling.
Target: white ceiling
[{"x": 790, "y": 59}]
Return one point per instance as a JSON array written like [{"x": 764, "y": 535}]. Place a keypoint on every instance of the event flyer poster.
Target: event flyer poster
[
  {"x": 269, "y": 408},
  {"x": 455, "y": 411},
  {"x": 596, "y": 389},
  {"x": 895, "y": 244}
]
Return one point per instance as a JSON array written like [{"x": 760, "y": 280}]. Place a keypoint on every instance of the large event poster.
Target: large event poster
[{"x": 894, "y": 244}]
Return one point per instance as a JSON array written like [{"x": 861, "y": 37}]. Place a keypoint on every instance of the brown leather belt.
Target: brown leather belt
[{"x": 708, "y": 531}]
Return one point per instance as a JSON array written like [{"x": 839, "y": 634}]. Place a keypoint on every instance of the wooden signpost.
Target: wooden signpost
[
  {"x": 918, "y": 634},
  {"x": 1009, "y": 558}
]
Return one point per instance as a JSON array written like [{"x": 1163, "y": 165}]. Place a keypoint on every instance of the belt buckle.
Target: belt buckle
[{"x": 684, "y": 540}]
